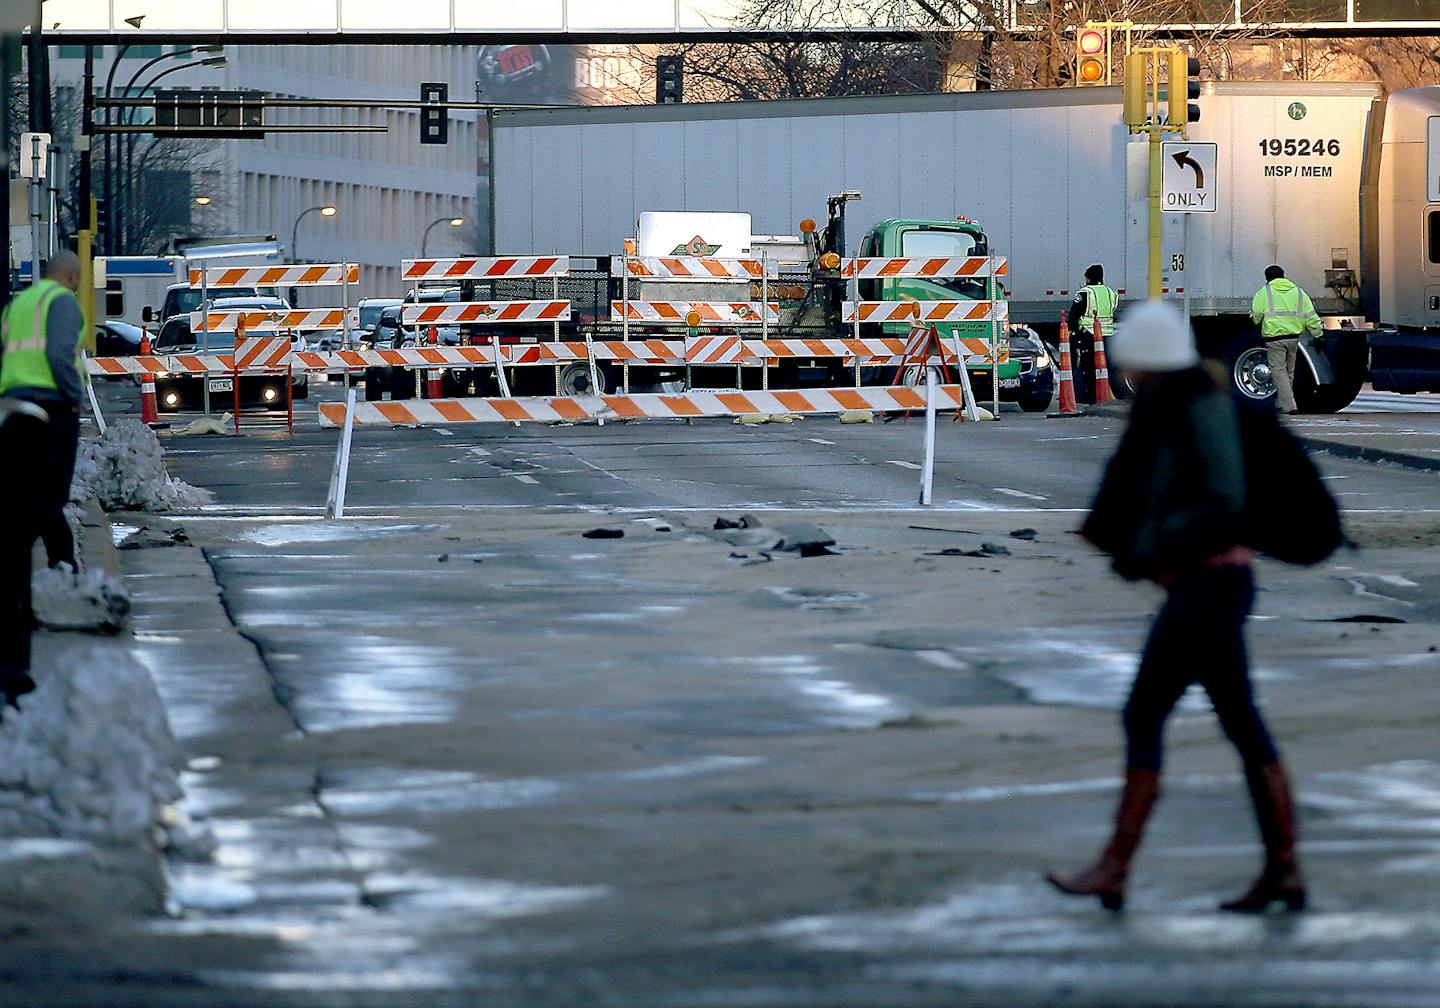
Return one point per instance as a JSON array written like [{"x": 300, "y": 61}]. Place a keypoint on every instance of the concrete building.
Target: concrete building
[{"x": 387, "y": 188}]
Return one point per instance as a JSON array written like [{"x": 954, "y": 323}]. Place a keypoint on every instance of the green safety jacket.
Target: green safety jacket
[
  {"x": 1100, "y": 302},
  {"x": 23, "y": 334},
  {"x": 1284, "y": 311}
]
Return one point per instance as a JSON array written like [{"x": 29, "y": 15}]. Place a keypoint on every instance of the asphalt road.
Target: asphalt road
[{"x": 457, "y": 754}]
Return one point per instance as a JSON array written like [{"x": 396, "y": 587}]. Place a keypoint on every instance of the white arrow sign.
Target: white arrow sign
[{"x": 1188, "y": 177}]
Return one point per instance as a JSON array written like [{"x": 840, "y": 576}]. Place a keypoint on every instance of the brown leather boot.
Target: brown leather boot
[
  {"x": 1279, "y": 880},
  {"x": 1106, "y": 877}
]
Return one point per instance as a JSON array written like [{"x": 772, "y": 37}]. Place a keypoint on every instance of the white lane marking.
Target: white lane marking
[
  {"x": 1334, "y": 477},
  {"x": 443, "y": 432},
  {"x": 1018, "y": 493},
  {"x": 1080, "y": 437},
  {"x": 482, "y": 452},
  {"x": 906, "y": 465},
  {"x": 820, "y": 440},
  {"x": 525, "y": 479}
]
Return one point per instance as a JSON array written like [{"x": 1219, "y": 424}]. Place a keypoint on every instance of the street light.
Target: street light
[
  {"x": 202, "y": 201},
  {"x": 328, "y": 210},
  {"x": 454, "y": 222}
]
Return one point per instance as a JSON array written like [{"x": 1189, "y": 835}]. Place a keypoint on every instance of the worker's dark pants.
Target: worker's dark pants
[
  {"x": 1082, "y": 365},
  {"x": 23, "y": 442},
  {"x": 62, "y": 442},
  {"x": 54, "y": 468},
  {"x": 1198, "y": 637}
]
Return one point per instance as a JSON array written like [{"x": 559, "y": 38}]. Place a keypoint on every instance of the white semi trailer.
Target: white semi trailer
[{"x": 1314, "y": 176}]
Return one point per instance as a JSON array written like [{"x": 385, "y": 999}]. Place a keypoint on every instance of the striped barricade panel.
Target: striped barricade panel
[
  {"x": 436, "y": 356},
  {"x": 484, "y": 267},
  {"x": 462, "y": 312},
  {"x": 710, "y": 312},
  {"x": 887, "y": 350},
  {"x": 262, "y": 320},
  {"x": 961, "y": 266},
  {"x": 926, "y": 311},
  {"x": 690, "y": 404},
  {"x": 691, "y": 268},
  {"x": 714, "y": 350},
  {"x": 313, "y": 275},
  {"x": 172, "y": 364},
  {"x": 262, "y": 352}
]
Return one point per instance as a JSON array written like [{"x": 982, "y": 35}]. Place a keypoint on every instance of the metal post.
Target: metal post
[
  {"x": 994, "y": 340},
  {"x": 927, "y": 471},
  {"x": 205, "y": 332},
  {"x": 624, "y": 328},
  {"x": 1155, "y": 229},
  {"x": 35, "y": 183},
  {"x": 52, "y": 201},
  {"x": 1185, "y": 261},
  {"x": 340, "y": 474}
]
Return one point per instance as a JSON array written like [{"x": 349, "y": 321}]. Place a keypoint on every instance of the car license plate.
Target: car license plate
[
  {"x": 1009, "y": 382},
  {"x": 222, "y": 385}
]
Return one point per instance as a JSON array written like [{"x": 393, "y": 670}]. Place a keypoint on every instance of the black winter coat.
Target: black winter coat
[{"x": 1174, "y": 493}]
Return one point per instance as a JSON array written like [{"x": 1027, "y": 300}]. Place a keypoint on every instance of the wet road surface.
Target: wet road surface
[{"x": 456, "y": 753}]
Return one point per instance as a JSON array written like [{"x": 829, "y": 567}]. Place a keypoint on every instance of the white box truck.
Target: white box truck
[{"x": 1058, "y": 183}]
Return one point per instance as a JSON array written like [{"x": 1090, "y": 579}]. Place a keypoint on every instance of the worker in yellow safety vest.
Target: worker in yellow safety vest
[
  {"x": 1093, "y": 302},
  {"x": 41, "y": 370},
  {"x": 1284, "y": 313}
]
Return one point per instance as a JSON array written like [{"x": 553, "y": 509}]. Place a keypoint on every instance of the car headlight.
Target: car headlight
[{"x": 1042, "y": 360}]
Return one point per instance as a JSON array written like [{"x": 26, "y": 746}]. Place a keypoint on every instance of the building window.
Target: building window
[
  {"x": 71, "y": 52},
  {"x": 1434, "y": 235}
]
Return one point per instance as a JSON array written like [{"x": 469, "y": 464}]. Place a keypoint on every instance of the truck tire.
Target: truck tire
[
  {"x": 374, "y": 385},
  {"x": 1312, "y": 398},
  {"x": 1250, "y": 373},
  {"x": 574, "y": 380}
]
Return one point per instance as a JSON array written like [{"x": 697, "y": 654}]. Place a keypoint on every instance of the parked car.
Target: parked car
[
  {"x": 114, "y": 338},
  {"x": 178, "y": 390},
  {"x": 390, "y": 333}
]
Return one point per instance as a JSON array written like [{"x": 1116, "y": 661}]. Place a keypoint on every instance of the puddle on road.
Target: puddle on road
[
  {"x": 841, "y": 703},
  {"x": 317, "y": 532},
  {"x": 821, "y": 599}
]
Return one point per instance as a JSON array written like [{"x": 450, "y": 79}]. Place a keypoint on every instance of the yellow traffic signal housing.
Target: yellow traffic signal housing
[
  {"x": 1092, "y": 57},
  {"x": 1136, "y": 89},
  {"x": 1183, "y": 88}
]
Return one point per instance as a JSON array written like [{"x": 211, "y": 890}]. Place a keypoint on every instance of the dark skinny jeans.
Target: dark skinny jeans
[{"x": 1198, "y": 637}]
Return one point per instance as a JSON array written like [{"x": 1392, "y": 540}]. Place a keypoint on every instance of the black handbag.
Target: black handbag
[{"x": 1290, "y": 514}]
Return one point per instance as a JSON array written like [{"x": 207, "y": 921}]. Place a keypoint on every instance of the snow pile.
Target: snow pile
[
  {"x": 89, "y": 755},
  {"x": 125, "y": 469},
  {"x": 65, "y": 600}
]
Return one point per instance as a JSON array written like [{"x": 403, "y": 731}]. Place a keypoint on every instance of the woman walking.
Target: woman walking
[{"x": 1172, "y": 509}]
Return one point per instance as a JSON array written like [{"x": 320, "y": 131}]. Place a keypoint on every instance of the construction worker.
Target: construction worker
[
  {"x": 1284, "y": 313},
  {"x": 1093, "y": 302},
  {"x": 41, "y": 363}
]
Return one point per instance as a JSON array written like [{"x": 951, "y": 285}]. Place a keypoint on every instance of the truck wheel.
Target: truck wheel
[
  {"x": 1312, "y": 398},
  {"x": 374, "y": 385},
  {"x": 1035, "y": 404},
  {"x": 1251, "y": 374},
  {"x": 574, "y": 380}
]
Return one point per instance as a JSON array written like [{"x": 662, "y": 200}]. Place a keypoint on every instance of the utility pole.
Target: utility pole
[{"x": 85, "y": 209}]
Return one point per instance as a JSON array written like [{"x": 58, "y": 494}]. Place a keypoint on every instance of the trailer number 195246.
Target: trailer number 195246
[{"x": 1292, "y": 147}]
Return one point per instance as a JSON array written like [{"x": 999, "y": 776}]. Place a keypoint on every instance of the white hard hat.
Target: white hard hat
[{"x": 1152, "y": 337}]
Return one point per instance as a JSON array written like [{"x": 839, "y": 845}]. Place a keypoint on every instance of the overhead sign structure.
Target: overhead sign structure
[{"x": 1188, "y": 177}]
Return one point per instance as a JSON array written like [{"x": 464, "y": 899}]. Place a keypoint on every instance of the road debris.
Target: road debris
[
  {"x": 604, "y": 533},
  {"x": 146, "y": 537},
  {"x": 1028, "y": 534}
]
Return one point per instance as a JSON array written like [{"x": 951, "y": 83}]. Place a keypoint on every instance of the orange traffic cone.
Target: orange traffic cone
[
  {"x": 434, "y": 389},
  {"x": 1067, "y": 377},
  {"x": 149, "y": 407},
  {"x": 1102, "y": 369}
]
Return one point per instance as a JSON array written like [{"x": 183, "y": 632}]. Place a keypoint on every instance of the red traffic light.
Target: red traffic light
[{"x": 1091, "y": 42}]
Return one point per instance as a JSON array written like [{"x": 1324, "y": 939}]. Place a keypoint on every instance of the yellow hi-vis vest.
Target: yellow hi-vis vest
[
  {"x": 1285, "y": 313},
  {"x": 23, "y": 336},
  {"x": 1100, "y": 302}
]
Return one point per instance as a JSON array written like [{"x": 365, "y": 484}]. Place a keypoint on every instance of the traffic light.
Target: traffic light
[
  {"x": 1183, "y": 87},
  {"x": 101, "y": 214},
  {"x": 434, "y": 122},
  {"x": 669, "y": 80},
  {"x": 1092, "y": 57},
  {"x": 1137, "y": 96}
]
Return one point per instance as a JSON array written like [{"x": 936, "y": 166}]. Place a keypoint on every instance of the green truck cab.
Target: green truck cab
[{"x": 1026, "y": 371}]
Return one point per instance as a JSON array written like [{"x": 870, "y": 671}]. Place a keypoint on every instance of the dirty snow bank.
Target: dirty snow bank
[
  {"x": 94, "y": 601},
  {"x": 89, "y": 755},
  {"x": 125, "y": 469}
]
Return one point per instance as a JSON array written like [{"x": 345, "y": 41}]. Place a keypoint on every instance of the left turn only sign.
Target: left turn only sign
[{"x": 1188, "y": 177}]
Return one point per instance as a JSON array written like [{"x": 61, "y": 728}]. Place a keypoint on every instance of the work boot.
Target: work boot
[
  {"x": 1279, "y": 880},
  {"x": 1106, "y": 877}
]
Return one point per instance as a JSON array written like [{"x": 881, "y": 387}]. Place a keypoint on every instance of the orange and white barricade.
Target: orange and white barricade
[{"x": 483, "y": 268}]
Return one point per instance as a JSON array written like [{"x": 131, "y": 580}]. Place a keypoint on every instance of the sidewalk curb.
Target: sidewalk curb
[{"x": 1364, "y": 453}]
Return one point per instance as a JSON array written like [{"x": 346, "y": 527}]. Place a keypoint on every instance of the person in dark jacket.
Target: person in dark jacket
[{"x": 1171, "y": 510}]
